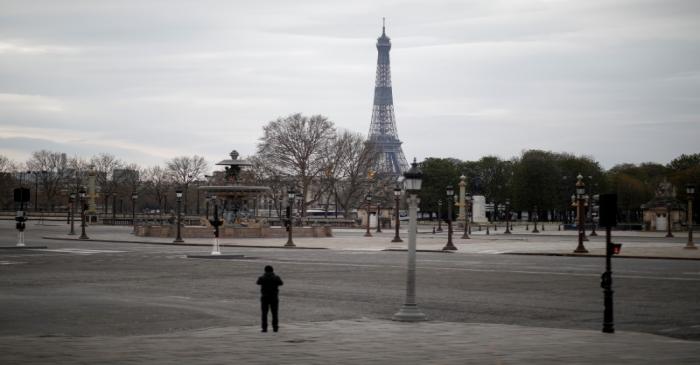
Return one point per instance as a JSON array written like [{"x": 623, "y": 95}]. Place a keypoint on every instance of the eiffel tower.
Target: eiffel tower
[{"x": 382, "y": 131}]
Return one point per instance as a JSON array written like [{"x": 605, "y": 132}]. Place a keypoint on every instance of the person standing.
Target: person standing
[{"x": 269, "y": 297}]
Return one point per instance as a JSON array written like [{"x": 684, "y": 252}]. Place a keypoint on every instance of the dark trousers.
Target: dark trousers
[{"x": 271, "y": 304}]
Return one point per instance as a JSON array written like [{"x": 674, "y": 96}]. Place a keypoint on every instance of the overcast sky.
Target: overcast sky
[{"x": 150, "y": 80}]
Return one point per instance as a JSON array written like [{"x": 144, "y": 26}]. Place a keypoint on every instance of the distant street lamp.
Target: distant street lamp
[
  {"x": 134, "y": 196},
  {"x": 71, "y": 201},
  {"x": 368, "y": 199},
  {"x": 507, "y": 217},
  {"x": 534, "y": 217},
  {"x": 83, "y": 206},
  {"x": 379, "y": 215},
  {"x": 668, "y": 220},
  {"x": 216, "y": 223},
  {"x": 439, "y": 227},
  {"x": 397, "y": 197},
  {"x": 449, "y": 246},
  {"x": 467, "y": 229},
  {"x": 409, "y": 310},
  {"x": 594, "y": 199},
  {"x": 178, "y": 195},
  {"x": 36, "y": 187},
  {"x": 291, "y": 195},
  {"x": 690, "y": 192},
  {"x": 580, "y": 191}
]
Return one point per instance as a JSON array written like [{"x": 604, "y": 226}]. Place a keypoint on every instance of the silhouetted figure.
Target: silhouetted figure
[{"x": 269, "y": 300}]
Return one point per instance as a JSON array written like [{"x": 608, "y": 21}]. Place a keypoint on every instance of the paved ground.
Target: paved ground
[
  {"x": 143, "y": 291},
  {"x": 362, "y": 341}
]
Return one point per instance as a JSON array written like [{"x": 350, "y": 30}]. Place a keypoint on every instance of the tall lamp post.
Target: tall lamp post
[
  {"x": 397, "y": 197},
  {"x": 83, "y": 206},
  {"x": 439, "y": 227},
  {"x": 449, "y": 246},
  {"x": 409, "y": 311},
  {"x": 467, "y": 229},
  {"x": 178, "y": 195},
  {"x": 535, "y": 215},
  {"x": 71, "y": 199},
  {"x": 134, "y": 196},
  {"x": 507, "y": 217},
  {"x": 594, "y": 200},
  {"x": 379, "y": 217},
  {"x": 291, "y": 195},
  {"x": 580, "y": 191},
  {"x": 690, "y": 192},
  {"x": 368, "y": 198},
  {"x": 668, "y": 220}
]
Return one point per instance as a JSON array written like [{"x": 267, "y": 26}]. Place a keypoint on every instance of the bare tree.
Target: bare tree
[
  {"x": 158, "y": 181},
  {"x": 296, "y": 146},
  {"x": 104, "y": 165},
  {"x": 8, "y": 168},
  {"x": 185, "y": 170},
  {"x": 51, "y": 170},
  {"x": 353, "y": 174}
]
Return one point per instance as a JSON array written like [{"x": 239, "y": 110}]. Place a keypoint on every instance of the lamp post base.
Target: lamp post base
[
  {"x": 449, "y": 247},
  {"x": 397, "y": 239},
  {"x": 367, "y": 234},
  {"x": 409, "y": 313},
  {"x": 580, "y": 249},
  {"x": 690, "y": 246},
  {"x": 178, "y": 240}
]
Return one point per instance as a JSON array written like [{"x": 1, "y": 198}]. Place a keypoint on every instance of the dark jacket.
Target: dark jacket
[{"x": 269, "y": 284}]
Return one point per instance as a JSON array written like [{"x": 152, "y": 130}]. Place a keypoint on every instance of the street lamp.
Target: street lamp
[
  {"x": 379, "y": 212},
  {"x": 368, "y": 198},
  {"x": 580, "y": 191},
  {"x": 216, "y": 223},
  {"x": 409, "y": 310},
  {"x": 291, "y": 195},
  {"x": 594, "y": 199},
  {"x": 71, "y": 201},
  {"x": 449, "y": 246},
  {"x": 134, "y": 196},
  {"x": 507, "y": 217},
  {"x": 439, "y": 228},
  {"x": 535, "y": 215},
  {"x": 690, "y": 192},
  {"x": 81, "y": 193},
  {"x": 397, "y": 197},
  {"x": 668, "y": 220},
  {"x": 178, "y": 195},
  {"x": 467, "y": 229}
]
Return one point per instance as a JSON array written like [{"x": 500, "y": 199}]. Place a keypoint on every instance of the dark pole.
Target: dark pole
[
  {"x": 36, "y": 190},
  {"x": 72, "y": 214},
  {"x": 114, "y": 208},
  {"x": 668, "y": 220},
  {"x": 580, "y": 190},
  {"x": 178, "y": 239},
  {"x": 507, "y": 218},
  {"x": 397, "y": 196},
  {"x": 690, "y": 190},
  {"x": 83, "y": 236},
  {"x": 439, "y": 228},
  {"x": 535, "y": 216},
  {"x": 593, "y": 232},
  {"x": 368, "y": 198},
  {"x": 606, "y": 283},
  {"x": 379, "y": 212},
  {"x": 290, "y": 242},
  {"x": 133, "y": 210},
  {"x": 449, "y": 246}
]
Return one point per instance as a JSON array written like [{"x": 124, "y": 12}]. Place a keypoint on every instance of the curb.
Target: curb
[
  {"x": 600, "y": 256},
  {"x": 404, "y": 250},
  {"x": 184, "y": 244},
  {"x": 22, "y": 247}
]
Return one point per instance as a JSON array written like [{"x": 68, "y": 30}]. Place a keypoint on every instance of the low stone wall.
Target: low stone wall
[{"x": 231, "y": 232}]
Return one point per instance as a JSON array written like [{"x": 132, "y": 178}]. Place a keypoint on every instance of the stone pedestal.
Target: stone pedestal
[{"x": 479, "y": 209}]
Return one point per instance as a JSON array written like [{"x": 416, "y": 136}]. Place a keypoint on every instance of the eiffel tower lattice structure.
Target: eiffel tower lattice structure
[{"x": 382, "y": 131}]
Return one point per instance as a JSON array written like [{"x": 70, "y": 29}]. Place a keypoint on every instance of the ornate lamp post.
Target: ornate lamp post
[
  {"x": 71, "y": 201},
  {"x": 668, "y": 220},
  {"x": 178, "y": 195},
  {"x": 507, "y": 217},
  {"x": 397, "y": 196},
  {"x": 216, "y": 222},
  {"x": 409, "y": 311},
  {"x": 134, "y": 196},
  {"x": 580, "y": 191},
  {"x": 83, "y": 206},
  {"x": 291, "y": 195},
  {"x": 379, "y": 217},
  {"x": 594, "y": 200},
  {"x": 467, "y": 229},
  {"x": 368, "y": 199},
  {"x": 534, "y": 217},
  {"x": 690, "y": 192},
  {"x": 439, "y": 227},
  {"x": 450, "y": 196}
]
